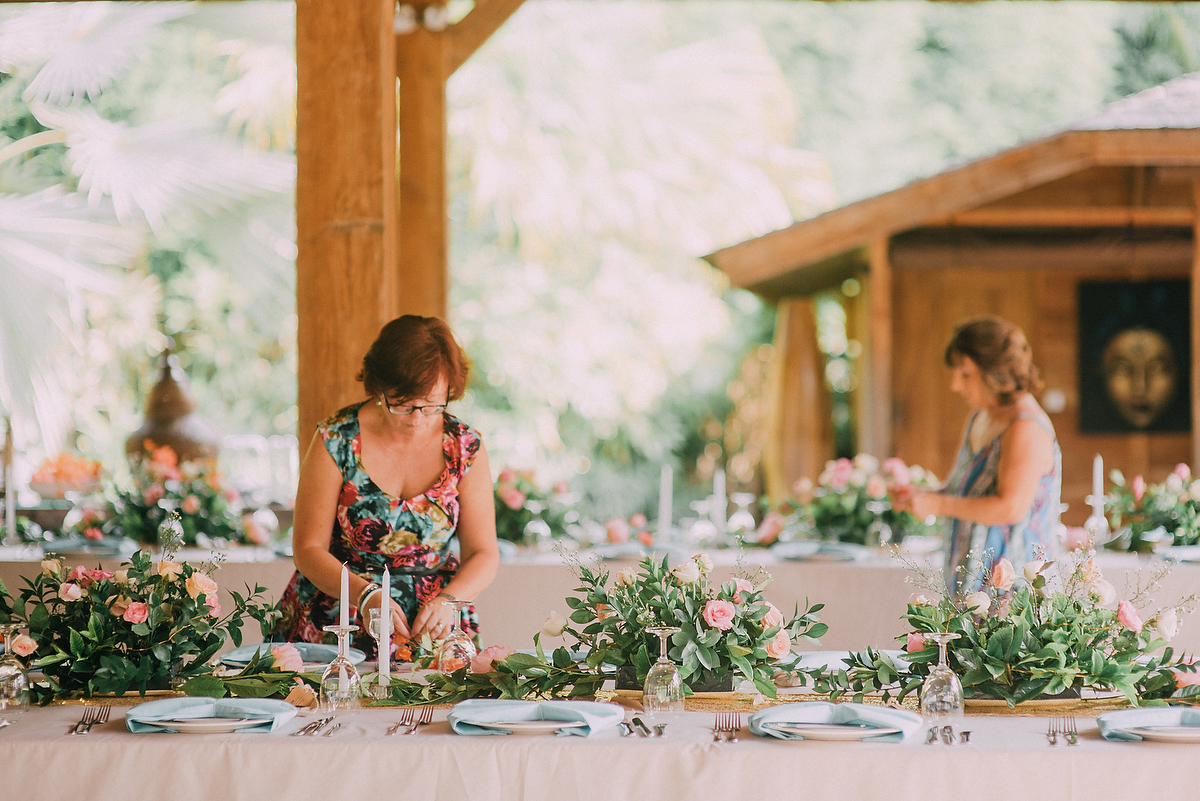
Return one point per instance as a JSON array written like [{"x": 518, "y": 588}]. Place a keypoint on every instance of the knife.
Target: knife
[{"x": 645, "y": 729}]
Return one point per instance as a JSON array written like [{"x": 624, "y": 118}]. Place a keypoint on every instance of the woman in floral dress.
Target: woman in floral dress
[{"x": 389, "y": 482}]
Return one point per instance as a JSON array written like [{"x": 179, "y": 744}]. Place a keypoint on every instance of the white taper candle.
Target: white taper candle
[
  {"x": 344, "y": 619},
  {"x": 385, "y": 630}
]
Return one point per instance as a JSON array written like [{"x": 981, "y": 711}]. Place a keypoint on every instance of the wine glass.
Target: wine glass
[
  {"x": 14, "y": 681},
  {"x": 941, "y": 692},
  {"x": 741, "y": 522},
  {"x": 457, "y": 649},
  {"x": 341, "y": 686},
  {"x": 663, "y": 691},
  {"x": 383, "y": 650}
]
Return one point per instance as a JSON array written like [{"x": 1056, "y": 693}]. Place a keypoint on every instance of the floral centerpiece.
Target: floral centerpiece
[
  {"x": 1146, "y": 517},
  {"x": 525, "y": 513},
  {"x": 727, "y": 630},
  {"x": 161, "y": 483},
  {"x": 65, "y": 473},
  {"x": 852, "y": 502},
  {"x": 1032, "y": 635},
  {"x": 140, "y": 628}
]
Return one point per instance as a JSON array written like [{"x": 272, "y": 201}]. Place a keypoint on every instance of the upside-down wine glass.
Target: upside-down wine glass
[
  {"x": 942, "y": 692},
  {"x": 14, "y": 681},
  {"x": 341, "y": 686},
  {"x": 663, "y": 691},
  {"x": 383, "y": 651},
  {"x": 457, "y": 649}
]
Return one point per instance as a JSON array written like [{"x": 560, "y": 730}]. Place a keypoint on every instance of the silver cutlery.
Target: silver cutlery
[
  {"x": 425, "y": 719},
  {"x": 92, "y": 716},
  {"x": 406, "y": 720},
  {"x": 626, "y": 731},
  {"x": 1070, "y": 732},
  {"x": 312, "y": 728},
  {"x": 332, "y": 729},
  {"x": 964, "y": 737},
  {"x": 932, "y": 737},
  {"x": 726, "y": 727},
  {"x": 660, "y": 729},
  {"x": 89, "y": 714},
  {"x": 644, "y": 728},
  {"x": 1052, "y": 732},
  {"x": 948, "y": 735}
]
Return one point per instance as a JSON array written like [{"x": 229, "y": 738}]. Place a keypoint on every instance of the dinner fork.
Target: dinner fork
[
  {"x": 425, "y": 717},
  {"x": 89, "y": 714},
  {"x": 1070, "y": 731},
  {"x": 406, "y": 720},
  {"x": 1052, "y": 731},
  {"x": 101, "y": 718},
  {"x": 727, "y": 725}
]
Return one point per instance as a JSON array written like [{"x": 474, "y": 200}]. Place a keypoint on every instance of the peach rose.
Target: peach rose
[
  {"x": 979, "y": 603},
  {"x": 770, "y": 528},
  {"x": 214, "y": 605},
  {"x": 119, "y": 605},
  {"x": 450, "y": 664},
  {"x": 1003, "y": 575},
  {"x": 69, "y": 592},
  {"x": 198, "y": 584},
  {"x": 645, "y": 538},
  {"x": 512, "y": 497},
  {"x": 740, "y": 585},
  {"x": 51, "y": 567},
  {"x": 626, "y": 577},
  {"x": 781, "y": 646},
  {"x": 876, "y": 486},
  {"x": 1184, "y": 678},
  {"x": 915, "y": 643},
  {"x": 638, "y": 520},
  {"x": 773, "y": 617},
  {"x": 93, "y": 533},
  {"x": 1129, "y": 617},
  {"x": 287, "y": 657},
  {"x": 720, "y": 614},
  {"x": 482, "y": 662},
  {"x": 24, "y": 645},
  {"x": 190, "y": 505},
  {"x": 617, "y": 530},
  {"x": 170, "y": 570},
  {"x": 136, "y": 612}
]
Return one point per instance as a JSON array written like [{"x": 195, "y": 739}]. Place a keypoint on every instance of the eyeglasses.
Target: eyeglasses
[{"x": 409, "y": 408}]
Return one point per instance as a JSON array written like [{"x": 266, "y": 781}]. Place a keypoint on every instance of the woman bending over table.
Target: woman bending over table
[
  {"x": 1001, "y": 498},
  {"x": 389, "y": 482}
]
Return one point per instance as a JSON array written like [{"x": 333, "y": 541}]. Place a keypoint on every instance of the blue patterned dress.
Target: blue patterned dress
[
  {"x": 971, "y": 548},
  {"x": 373, "y": 530}
]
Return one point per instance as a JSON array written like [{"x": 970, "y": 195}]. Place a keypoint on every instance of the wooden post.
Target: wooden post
[
  {"x": 345, "y": 195},
  {"x": 801, "y": 429},
  {"x": 880, "y": 354},
  {"x": 1195, "y": 315}
]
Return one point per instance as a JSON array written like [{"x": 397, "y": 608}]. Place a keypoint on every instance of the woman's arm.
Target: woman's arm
[
  {"x": 314, "y": 519},
  {"x": 1026, "y": 454},
  {"x": 479, "y": 554}
]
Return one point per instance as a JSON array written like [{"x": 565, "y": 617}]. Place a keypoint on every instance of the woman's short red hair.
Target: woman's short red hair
[{"x": 409, "y": 356}]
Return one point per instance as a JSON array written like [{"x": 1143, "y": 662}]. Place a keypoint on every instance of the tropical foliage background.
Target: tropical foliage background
[{"x": 598, "y": 148}]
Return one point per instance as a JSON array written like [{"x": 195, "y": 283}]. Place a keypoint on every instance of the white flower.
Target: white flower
[
  {"x": 1105, "y": 592},
  {"x": 704, "y": 562},
  {"x": 1031, "y": 569},
  {"x": 626, "y": 577},
  {"x": 687, "y": 572},
  {"x": 922, "y": 600},
  {"x": 979, "y": 603},
  {"x": 554, "y": 625},
  {"x": 121, "y": 577},
  {"x": 1166, "y": 625},
  {"x": 858, "y": 478},
  {"x": 1174, "y": 483},
  {"x": 867, "y": 463},
  {"x": 1194, "y": 488}
]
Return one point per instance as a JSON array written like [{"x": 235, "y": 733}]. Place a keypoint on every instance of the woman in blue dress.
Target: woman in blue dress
[{"x": 1001, "y": 498}]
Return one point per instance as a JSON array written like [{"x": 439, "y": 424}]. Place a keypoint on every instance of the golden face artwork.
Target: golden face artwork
[{"x": 1140, "y": 374}]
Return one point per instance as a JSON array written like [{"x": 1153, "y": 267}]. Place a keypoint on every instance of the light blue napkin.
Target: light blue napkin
[
  {"x": 1116, "y": 725},
  {"x": 877, "y": 717},
  {"x": 280, "y": 712},
  {"x": 598, "y": 716}
]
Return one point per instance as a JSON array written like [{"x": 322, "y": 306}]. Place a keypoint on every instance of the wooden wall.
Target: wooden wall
[{"x": 936, "y": 287}]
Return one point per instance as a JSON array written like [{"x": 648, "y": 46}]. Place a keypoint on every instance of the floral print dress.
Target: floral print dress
[{"x": 374, "y": 530}]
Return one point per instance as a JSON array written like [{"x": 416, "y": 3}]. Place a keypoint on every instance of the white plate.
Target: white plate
[
  {"x": 529, "y": 726},
  {"x": 1168, "y": 734},
  {"x": 830, "y": 731},
  {"x": 208, "y": 725}
]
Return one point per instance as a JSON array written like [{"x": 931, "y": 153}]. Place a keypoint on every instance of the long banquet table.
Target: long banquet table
[
  {"x": 1007, "y": 758},
  {"x": 863, "y": 599}
]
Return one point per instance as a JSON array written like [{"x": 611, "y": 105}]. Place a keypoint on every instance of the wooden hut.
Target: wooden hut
[{"x": 1113, "y": 197}]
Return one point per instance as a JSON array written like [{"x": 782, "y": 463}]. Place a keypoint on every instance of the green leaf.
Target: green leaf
[
  {"x": 162, "y": 652},
  {"x": 207, "y": 685},
  {"x": 140, "y": 629}
]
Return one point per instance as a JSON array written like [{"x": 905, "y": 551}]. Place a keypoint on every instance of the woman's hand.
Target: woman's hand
[
  {"x": 920, "y": 505},
  {"x": 438, "y": 620},
  {"x": 399, "y": 621}
]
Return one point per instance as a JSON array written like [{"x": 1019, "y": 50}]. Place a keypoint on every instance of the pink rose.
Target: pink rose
[
  {"x": 512, "y": 497},
  {"x": 153, "y": 494},
  {"x": 740, "y": 585},
  {"x": 287, "y": 657},
  {"x": 770, "y": 528},
  {"x": 561, "y": 487},
  {"x": 1183, "y": 471},
  {"x": 69, "y": 592},
  {"x": 1003, "y": 575},
  {"x": 1138, "y": 485},
  {"x": 256, "y": 533},
  {"x": 617, "y": 530},
  {"x": 897, "y": 471},
  {"x": 840, "y": 475},
  {"x": 198, "y": 583},
  {"x": 507, "y": 476},
  {"x": 916, "y": 642},
  {"x": 136, "y": 612},
  {"x": 214, "y": 605},
  {"x": 645, "y": 538},
  {"x": 23, "y": 645},
  {"x": 1184, "y": 678},
  {"x": 1129, "y": 617},
  {"x": 93, "y": 533},
  {"x": 803, "y": 490},
  {"x": 720, "y": 614},
  {"x": 77, "y": 573},
  {"x": 638, "y": 520},
  {"x": 482, "y": 663},
  {"x": 780, "y": 646},
  {"x": 99, "y": 575},
  {"x": 876, "y": 486},
  {"x": 773, "y": 617},
  {"x": 190, "y": 505},
  {"x": 1074, "y": 538}
]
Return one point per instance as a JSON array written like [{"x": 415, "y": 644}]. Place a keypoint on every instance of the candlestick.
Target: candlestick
[
  {"x": 665, "y": 480},
  {"x": 344, "y": 618},
  {"x": 385, "y": 630},
  {"x": 720, "y": 501}
]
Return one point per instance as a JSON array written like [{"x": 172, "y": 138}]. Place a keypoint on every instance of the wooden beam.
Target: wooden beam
[
  {"x": 880, "y": 354},
  {"x": 1071, "y": 217},
  {"x": 345, "y": 195},
  {"x": 1167, "y": 147},
  {"x": 423, "y": 274},
  {"x": 1195, "y": 315},
  {"x": 474, "y": 29}
]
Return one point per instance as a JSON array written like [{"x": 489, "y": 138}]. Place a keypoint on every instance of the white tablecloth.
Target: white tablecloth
[{"x": 1008, "y": 758}]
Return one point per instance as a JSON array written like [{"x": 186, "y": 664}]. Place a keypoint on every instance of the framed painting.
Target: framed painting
[{"x": 1135, "y": 356}]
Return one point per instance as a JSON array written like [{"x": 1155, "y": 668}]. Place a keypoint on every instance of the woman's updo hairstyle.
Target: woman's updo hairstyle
[
  {"x": 409, "y": 356},
  {"x": 1002, "y": 353}
]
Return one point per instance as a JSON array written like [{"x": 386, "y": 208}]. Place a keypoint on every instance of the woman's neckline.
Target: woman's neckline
[{"x": 359, "y": 462}]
